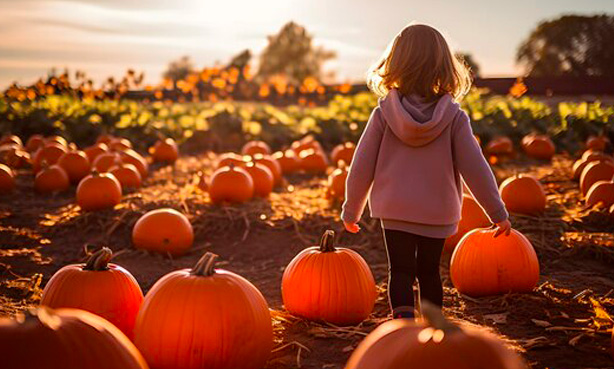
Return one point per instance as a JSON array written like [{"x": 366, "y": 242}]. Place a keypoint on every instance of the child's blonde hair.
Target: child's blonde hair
[{"x": 419, "y": 61}]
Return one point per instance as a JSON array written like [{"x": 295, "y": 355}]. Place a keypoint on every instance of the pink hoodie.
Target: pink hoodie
[{"x": 410, "y": 159}]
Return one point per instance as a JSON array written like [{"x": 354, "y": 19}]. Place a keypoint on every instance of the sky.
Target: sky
[{"x": 106, "y": 37}]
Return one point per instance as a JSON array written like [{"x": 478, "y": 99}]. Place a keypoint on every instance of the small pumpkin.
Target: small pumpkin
[
  {"x": 7, "y": 139},
  {"x": 256, "y": 147},
  {"x": 14, "y": 155},
  {"x": 344, "y": 152},
  {"x": 76, "y": 164},
  {"x": 127, "y": 175},
  {"x": 96, "y": 150},
  {"x": 336, "y": 181},
  {"x": 67, "y": 339},
  {"x": 538, "y": 147},
  {"x": 580, "y": 164},
  {"x": 523, "y": 194},
  {"x": 272, "y": 164},
  {"x": 120, "y": 144},
  {"x": 51, "y": 179},
  {"x": 100, "y": 287},
  {"x": 56, "y": 140},
  {"x": 163, "y": 230},
  {"x": 50, "y": 154},
  {"x": 7, "y": 179},
  {"x": 231, "y": 184},
  {"x": 593, "y": 172},
  {"x": 35, "y": 142},
  {"x": 435, "y": 343},
  {"x": 104, "y": 162},
  {"x": 288, "y": 161},
  {"x": 105, "y": 138},
  {"x": 313, "y": 161},
  {"x": 225, "y": 321},
  {"x": 595, "y": 155},
  {"x": 262, "y": 177},
  {"x": 165, "y": 151},
  {"x": 472, "y": 217},
  {"x": 307, "y": 142},
  {"x": 598, "y": 143},
  {"x": 98, "y": 191},
  {"x": 229, "y": 158},
  {"x": 329, "y": 284},
  {"x": 132, "y": 157},
  {"x": 501, "y": 145},
  {"x": 601, "y": 192},
  {"x": 483, "y": 264}
]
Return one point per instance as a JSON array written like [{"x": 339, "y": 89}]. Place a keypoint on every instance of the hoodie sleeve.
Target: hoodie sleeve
[
  {"x": 475, "y": 170},
  {"x": 362, "y": 169}
]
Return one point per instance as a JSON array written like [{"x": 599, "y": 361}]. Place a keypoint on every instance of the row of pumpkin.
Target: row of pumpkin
[{"x": 206, "y": 317}]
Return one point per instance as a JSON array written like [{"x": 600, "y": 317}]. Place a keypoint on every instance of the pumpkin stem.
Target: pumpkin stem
[
  {"x": 205, "y": 266},
  {"x": 99, "y": 260},
  {"x": 327, "y": 242},
  {"x": 435, "y": 318}
]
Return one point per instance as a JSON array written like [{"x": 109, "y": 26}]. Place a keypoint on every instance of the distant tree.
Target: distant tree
[
  {"x": 179, "y": 69},
  {"x": 291, "y": 53},
  {"x": 572, "y": 45},
  {"x": 241, "y": 60},
  {"x": 470, "y": 62}
]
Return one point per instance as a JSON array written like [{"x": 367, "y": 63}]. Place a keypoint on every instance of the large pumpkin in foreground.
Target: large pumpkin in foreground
[
  {"x": 438, "y": 344},
  {"x": 65, "y": 339},
  {"x": 472, "y": 217},
  {"x": 104, "y": 289},
  {"x": 163, "y": 230},
  {"x": 485, "y": 265},
  {"x": 329, "y": 284},
  {"x": 204, "y": 318}
]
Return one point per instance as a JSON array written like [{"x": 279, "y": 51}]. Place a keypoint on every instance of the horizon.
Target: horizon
[{"x": 105, "y": 38}]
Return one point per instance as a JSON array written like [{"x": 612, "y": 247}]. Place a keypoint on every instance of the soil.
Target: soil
[{"x": 561, "y": 324}]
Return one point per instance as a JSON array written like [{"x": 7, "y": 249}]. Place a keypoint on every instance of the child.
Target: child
[{"x": 415, "y": 149}]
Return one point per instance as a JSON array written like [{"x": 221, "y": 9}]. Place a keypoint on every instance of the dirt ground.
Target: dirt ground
[{"x": 564, "y": 323}]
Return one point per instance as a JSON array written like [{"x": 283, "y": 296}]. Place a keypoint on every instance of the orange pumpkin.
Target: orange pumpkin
[
  {"x": 96, "y": 150},
  {"x": 336, "y": 181},
  {"x": 104, "y": 289},
  {"x": 204, "y": 318},
  {"x": 595, "y": 155},
  {"x": 50, "y": 154},
  {"x": 523, "y": 194},
  {"x": 163, "y": 230},
  {"x": 106, "y": 161},
  {"x": 309, "y": 289},
  {"x": 7, "y": 179},
  {"x": 500, "y": 146},
  {"x": 538, "y": 147},
  {"x": 120, "y": 144},
  {"x": 343, "y": 152},
  {"x": 136, "y": 159},
  {"x": 7, "y": 139},
  {"x": 598, "y": 143},
  {"x": 262, "y": 177},
  {"x": 98, "y": 191},
  {"x": 76, "y": 164},
  {"x": 14, "y": 156},
  {"x": 593, "y": 172},
  {"x": 472, "y": 217},
  {"x": 66, "y": 339},
  {"x": 436, "y": 343},
  {"x": 56, "y": 140},
  {"x": 313, "y": 161},
  {"x": 270, "y": 163},
  {"x": 601, "y": 192},
  {"x": 288, "y": 161},
  {"x": 485, "y": 265},
  {"x": 127, "y": 175},
  {"x": 307, "y": 142},
  {"x": 231, "y": 184},
  {"x": 165, "y": 151},
  {"x": 105, "y": 139},
  {"x": 35, "y": 142},
  {"x": 256, "y": 147},
  {"x": 229, "y": 158},
  {"x": 51, "y": 179},
  {"x": 580, "y": 164}
]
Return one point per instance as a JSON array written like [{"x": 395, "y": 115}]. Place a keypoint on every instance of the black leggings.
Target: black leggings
[{"x": 411, "y": 256}]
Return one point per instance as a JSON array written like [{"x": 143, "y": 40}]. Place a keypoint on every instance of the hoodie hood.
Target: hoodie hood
[{"x": 415, "y": 121}]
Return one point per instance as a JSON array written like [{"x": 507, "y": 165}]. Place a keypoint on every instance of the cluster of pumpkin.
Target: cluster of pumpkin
[
  {"x": 100, "y": 171},
  {"x": 257, "y": 170},
  {"x": 206, "y": 317}
]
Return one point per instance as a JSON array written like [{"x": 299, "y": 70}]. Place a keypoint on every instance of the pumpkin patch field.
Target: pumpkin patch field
[{"x": 208, "y": 236}]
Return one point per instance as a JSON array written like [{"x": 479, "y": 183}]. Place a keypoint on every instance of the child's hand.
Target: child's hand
[
  {"x": 503, "y": 227},
  {"x": 351, "y": 227}
]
